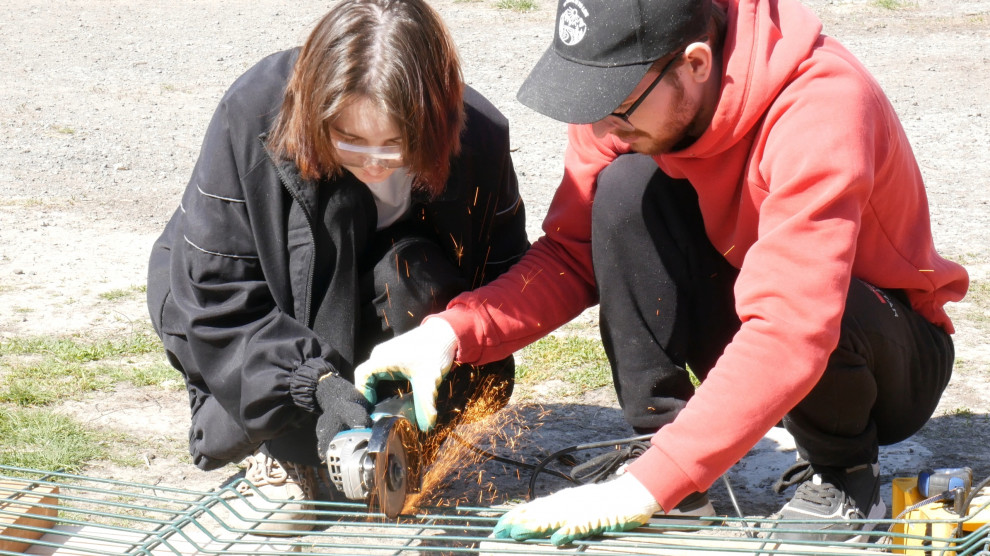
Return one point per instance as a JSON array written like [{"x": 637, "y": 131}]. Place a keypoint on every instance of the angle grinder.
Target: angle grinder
[{"x": 379, "y": 464}]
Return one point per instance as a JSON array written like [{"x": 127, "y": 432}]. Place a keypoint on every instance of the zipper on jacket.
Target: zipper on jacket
[{"x": 309, "y": 220}]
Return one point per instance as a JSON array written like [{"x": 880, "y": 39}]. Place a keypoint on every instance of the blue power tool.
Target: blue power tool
[
  {"x": 379, "y": 464},
  {"x": 945, "y": 479}
]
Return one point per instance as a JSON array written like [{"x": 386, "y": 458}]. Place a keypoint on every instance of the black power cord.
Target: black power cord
[
  {"x": 502, "y": 459},
  {"x": 606, "y": 464},
  {"x": 584, "y": 472},
  {"x": 593, "y": 470}
]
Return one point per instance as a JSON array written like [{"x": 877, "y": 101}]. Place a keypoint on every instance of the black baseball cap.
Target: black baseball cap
[{"x": 602, "y": 48}]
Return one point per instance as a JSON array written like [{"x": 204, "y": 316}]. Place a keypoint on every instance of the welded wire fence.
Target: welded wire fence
[{"x": 64, "y": 514}]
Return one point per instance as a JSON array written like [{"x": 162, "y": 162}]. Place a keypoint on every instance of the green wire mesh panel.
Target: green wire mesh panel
[{"x": 63, "y": 514}]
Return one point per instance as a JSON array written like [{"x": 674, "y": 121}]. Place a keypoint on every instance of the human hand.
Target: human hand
[
  {"x": 343, "y": 408},
  {"x": 578, "y": 512},
  {"x": 422, "y": 356}
]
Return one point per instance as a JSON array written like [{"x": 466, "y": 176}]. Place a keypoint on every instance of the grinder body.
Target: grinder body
[{"x": 379, "y": 464}]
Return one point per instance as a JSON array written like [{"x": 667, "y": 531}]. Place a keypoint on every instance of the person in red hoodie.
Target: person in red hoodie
[{"x": 741, "y": 200}]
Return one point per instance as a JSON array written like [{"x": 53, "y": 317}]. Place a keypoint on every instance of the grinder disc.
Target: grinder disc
[{"x": 394, "y": 447}]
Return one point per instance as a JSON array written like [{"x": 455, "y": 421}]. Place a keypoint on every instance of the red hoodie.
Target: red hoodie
[{"x": 805, "y": 179}]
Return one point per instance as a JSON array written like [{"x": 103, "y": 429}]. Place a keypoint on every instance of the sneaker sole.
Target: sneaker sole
[
  {"x": 878, "y": 511},
  {"x": 685, "y": 514}
]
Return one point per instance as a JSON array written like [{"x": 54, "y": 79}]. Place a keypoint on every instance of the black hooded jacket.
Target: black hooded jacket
[{"x": 231, "y": 277}]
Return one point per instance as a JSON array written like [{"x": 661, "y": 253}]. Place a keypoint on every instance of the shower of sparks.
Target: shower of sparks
[
  {"x": 482, "y": 423},
  {"x": 458, "y": 249}
]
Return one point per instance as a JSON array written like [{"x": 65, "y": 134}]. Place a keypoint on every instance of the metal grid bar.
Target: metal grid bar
[{"x": 89, "y": 516}]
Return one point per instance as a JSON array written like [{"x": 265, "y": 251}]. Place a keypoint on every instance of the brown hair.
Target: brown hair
[
  {"x": 714, "y": 35},
  {"x": 396, "y": 53}
]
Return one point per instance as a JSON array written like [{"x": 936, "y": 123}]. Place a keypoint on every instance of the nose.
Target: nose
[{"x": 374, "y": 166}]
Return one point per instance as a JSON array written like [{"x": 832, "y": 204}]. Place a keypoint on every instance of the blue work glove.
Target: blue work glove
[
  {"x": 621, "y": 504},
  {"x": 423, "y": 356}
]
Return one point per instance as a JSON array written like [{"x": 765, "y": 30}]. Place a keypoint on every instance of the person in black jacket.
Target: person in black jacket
[{"x": 344, "y": 190}]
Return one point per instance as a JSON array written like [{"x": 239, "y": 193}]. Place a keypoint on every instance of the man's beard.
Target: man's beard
[{"x": 683, "y": 118}]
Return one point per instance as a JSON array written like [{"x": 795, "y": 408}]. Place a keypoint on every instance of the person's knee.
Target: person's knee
[
  {"x": 470, "y": 393},
  {"x": 620, "y": 187},
  {"x": 216, "y": 438},
  {"x": 420, "y": 280}
]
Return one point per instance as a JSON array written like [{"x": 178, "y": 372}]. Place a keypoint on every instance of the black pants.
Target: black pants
[
  {"x": 380, "y": 284},
  {"x": 666, "y": 302}
]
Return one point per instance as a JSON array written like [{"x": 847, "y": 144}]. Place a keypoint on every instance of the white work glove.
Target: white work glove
[
  {"x": 578, "y": 512},
  {"x": 422, "y": 356}
]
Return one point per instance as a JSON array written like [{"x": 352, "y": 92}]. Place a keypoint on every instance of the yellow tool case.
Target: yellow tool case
[{"x": 931, "y": 525}]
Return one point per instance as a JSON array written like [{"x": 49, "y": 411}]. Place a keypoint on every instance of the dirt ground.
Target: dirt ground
[{"x": 103, "y": 106}]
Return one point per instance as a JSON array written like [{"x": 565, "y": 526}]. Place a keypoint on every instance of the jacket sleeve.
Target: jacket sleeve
[{"x": 230, "y": 335}]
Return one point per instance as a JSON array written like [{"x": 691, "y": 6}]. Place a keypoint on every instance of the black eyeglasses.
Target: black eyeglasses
[{"x": 625, "y": 115}]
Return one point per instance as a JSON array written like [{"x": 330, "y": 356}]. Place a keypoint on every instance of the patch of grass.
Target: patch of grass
[
  {"x": 965, "y": 259},
  {"x": 695, "y": 381},
  {"x": 123, "y": 293},
  {"x": 516, "y": 5},
  {"x": 962, "y": 412},
  {"x": 64, "y": 129},
  {"x": 73, "y": 350},
  {"x": 978, "y": 297},
  {"x": 979, "y": 291},
  {"x": 48, "y": 381},
  {"x": 576, "y": 360},
  {"x": 39, "y": 439},
  {"x": 895, "y": 4},
  {"x": 159, "y": 374},
  {"x": 968, "y": 417},
  {"x": 43, "y": 371}
]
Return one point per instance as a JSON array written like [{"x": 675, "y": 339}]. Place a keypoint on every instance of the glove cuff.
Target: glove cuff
[
  {"x": 635, "y": 495},
  {"x": 303, "y": 381},
  {"x": 440, "y": 331}
]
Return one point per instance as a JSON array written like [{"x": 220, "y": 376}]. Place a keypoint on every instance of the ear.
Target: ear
[{"x": 700, "y": 61}]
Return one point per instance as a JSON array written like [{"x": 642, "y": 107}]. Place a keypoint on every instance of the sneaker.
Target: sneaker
[
  {"x": 696, "y": 504},
  {"x": 833, "y": 502},
  {"x": 610, "y": 464},
  {"x": 277, "y": 496},
  {"x": 614, "y": 463}
]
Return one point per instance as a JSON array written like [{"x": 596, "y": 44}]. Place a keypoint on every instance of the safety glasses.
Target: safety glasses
[
  {"x": 623, "y": 117},
  {"x": 359, "y": 156}
]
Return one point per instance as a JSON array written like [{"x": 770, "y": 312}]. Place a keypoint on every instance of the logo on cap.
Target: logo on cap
[{"x": 572, "y": 27}]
